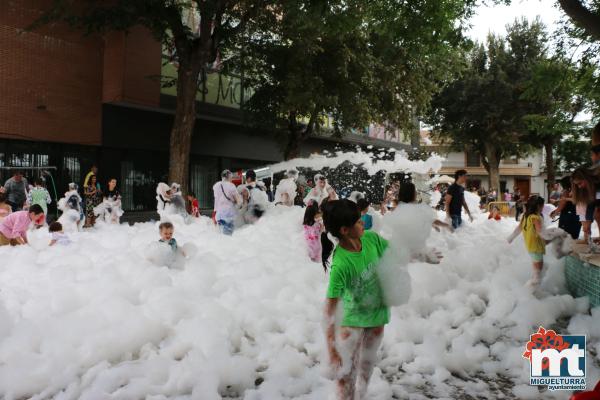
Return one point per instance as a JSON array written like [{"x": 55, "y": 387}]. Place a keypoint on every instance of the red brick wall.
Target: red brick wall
[
  {"x": 50, "y": 79},
  {"x": 132, "y": 66},
  {"x": 114, "y": 53},
  {"x": 53, "y": 80},
  {"x": 141, "y": 82}
]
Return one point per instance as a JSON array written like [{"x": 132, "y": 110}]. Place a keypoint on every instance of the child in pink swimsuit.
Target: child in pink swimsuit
[{"x": 313, "y": 226}]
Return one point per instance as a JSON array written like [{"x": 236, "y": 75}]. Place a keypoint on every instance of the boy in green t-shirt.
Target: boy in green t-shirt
[{"x": 353, "y": 279}]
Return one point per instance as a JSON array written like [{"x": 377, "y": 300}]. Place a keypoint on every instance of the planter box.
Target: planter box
[{"x": 583, "y": 277}]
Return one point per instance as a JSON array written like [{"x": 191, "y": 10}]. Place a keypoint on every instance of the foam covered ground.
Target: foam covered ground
[{"x": 243, "y": 318}]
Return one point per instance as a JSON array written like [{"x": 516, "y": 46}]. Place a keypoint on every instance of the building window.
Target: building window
[
  {"x": 202, "y": 179},
  {"x": 473, "y": 159},
  {"x": 138, "y": 188},
  {"x": 71, "y": 169}
]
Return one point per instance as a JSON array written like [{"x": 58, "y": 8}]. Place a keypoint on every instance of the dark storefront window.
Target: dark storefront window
[
  {"x": 138, "y": 188},
  {"x": 473, "y": 159},
  {"x": 71, "y": 169},
  {"x": 203, "y": 175}
]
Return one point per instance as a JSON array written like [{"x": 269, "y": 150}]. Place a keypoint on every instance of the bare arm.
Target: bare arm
[
  {"x": 538, "y": 226},
  {"x": 447, "y": 201},
  {"x": 514, "y": 234}
]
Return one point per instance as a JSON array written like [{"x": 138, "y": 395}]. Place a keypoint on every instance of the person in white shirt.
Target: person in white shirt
[
  {"x": 227, "y": 202},
  {"x": 286, "y": 189},
  {"x": 254, "y": 197},
  {"x": 321, "y": 191}
]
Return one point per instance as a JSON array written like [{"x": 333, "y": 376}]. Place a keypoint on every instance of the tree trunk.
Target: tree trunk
[
  {"x": 492, "y": 166},
  {"x": 292, "y": 147},
  {"x": 183, "y": 125},
  {"x": 582, "y": 17},
  {"x": 550, "y": 172},
  {"x": 297, "y": 134}
]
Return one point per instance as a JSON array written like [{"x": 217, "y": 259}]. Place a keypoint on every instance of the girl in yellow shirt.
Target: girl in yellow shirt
[{"x": 531, "y": 226}]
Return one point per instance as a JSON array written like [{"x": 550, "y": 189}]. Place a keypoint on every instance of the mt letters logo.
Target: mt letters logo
[{"x": 557, "y": 361}]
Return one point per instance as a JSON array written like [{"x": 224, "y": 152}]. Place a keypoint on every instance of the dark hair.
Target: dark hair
[
  {"x": 309, "y": 214},
  {"x": 596, "y": 149},
  {"x": 586, "y": 195},
  {"x": 192, "y": 194},
  {"x": 251, "y": 174},
  {"x": 565, "y": 182},
  {"x": 362, "y": 204},
  {"x": 407, "y": 192},
  {"x": 165, "y": 225},
  {"x": 2, "y": 197},
  {"x": 459, "y": 173},
  {"x": 36, "y": 209},
  {"x": 37, "y": 181},
  {"x": 336, "y": 215},
  {"x": 55, "y": 227},
  {"x": 532, "y": 207}
]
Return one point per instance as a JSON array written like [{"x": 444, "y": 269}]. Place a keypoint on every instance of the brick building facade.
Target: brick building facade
[{"x": 68, "y": 101}]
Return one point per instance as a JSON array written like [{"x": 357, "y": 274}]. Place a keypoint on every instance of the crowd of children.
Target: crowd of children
[{"x": 339, "y": 234}]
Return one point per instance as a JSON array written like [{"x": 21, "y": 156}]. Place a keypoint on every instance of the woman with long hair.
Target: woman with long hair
[
  {"x": 93, "y": 198},
  {"x": 583, "y": 189}
]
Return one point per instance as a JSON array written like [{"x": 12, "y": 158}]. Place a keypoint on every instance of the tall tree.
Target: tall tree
[
  {"x": 573, "y": 149},
  {"x": 198, "y": 30},
  {"x": 483, "y": 110},
  {"x": 345, "y": 64},
  {"x": 554, "y": 96}
]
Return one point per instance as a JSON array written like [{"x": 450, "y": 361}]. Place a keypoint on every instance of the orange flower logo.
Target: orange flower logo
[{"x": 543, "y": 340}]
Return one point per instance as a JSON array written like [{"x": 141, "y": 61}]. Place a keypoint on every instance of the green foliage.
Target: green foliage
[
  {"x": 483, "y": 110},
  {"x": 353, "y": 62},
  {"x": 573, "y": 150}
]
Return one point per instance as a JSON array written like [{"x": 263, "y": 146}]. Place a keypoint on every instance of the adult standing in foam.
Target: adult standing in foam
[
  {"x": 286, "y": 189},
  {"x": 13, "y": 229},
  {"x": 16, "y": 191},
  {"x": 519, "y": 201},
  {"x": 254, "y": 198},
  {"x": 455, "y": 199},
  {"x": 321, "y": 191},
  {"x": 595, "y": 156},
  {"x": 93, "y": 198},
  {"x": 93, "y": 171},
  {"x": 569, "y": 221},
  {"x": 227, "y": 202},
  {"x": 554, "y": 198}
]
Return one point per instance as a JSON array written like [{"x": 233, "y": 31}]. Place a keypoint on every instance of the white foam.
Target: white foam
[{"x": 97, "y": 319}]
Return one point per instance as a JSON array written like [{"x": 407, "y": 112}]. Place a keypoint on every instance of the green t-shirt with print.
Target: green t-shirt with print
[{"x": 354, "y": 279}]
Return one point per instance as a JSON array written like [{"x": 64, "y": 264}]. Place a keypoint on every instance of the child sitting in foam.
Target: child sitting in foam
[
  {"x": 57, "y": 234},
  {"x": 167, "y": 251}
]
